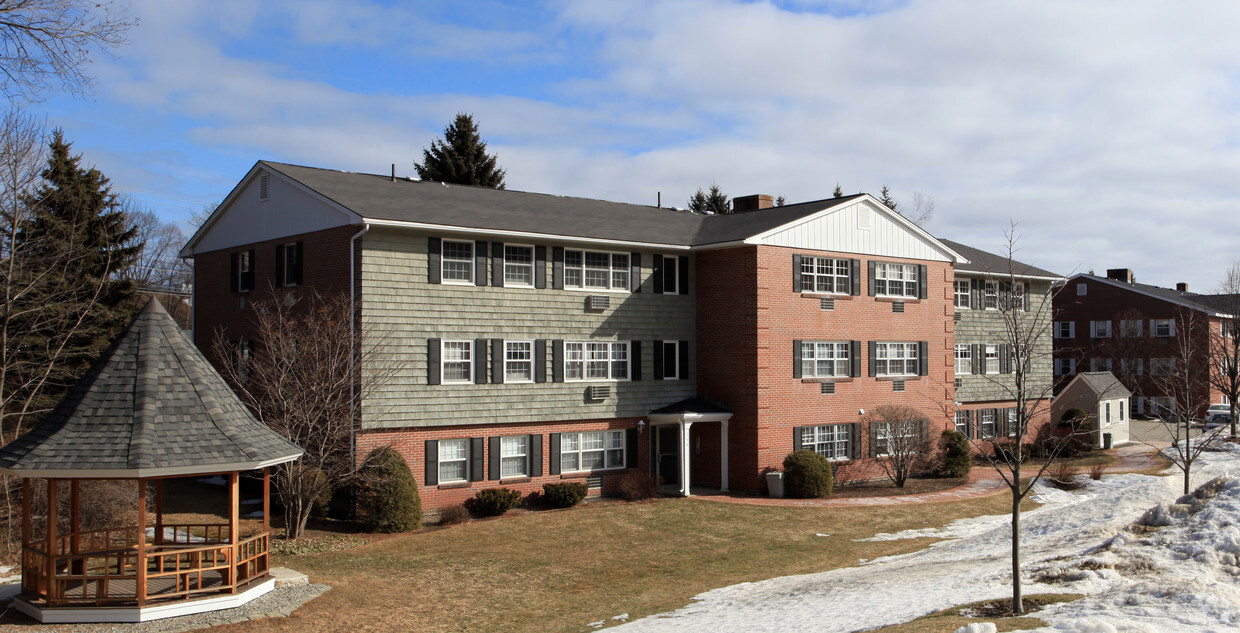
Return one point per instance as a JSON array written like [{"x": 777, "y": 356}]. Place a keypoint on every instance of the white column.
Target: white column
[
  {"x": 723, "y": 456},
  {"x": 684, "y": 458}
]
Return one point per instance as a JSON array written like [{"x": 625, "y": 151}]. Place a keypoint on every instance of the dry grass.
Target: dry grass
[
  {"x": 998, "y": 612},
  {"x": 884, "y": 487},
  {"x": 558, "y": 571}
]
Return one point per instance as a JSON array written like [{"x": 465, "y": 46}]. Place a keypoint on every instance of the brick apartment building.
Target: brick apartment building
[{"x": 538, "y": 338}]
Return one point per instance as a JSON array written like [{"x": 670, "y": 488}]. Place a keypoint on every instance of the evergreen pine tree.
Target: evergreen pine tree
[
  {"x": 839, "y": 193},
  {"x": 781, "y": 201},
  {"x": 888, "y": 200},
  {"x": 714, "y": 202},
  {"x": 461, "y": 157}
]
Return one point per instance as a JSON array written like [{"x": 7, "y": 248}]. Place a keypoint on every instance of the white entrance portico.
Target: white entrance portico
[{"x": 671, "y": 448}]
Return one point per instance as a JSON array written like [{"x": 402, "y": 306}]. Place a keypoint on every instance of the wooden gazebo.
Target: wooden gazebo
[{"x": 151, "y": 409}]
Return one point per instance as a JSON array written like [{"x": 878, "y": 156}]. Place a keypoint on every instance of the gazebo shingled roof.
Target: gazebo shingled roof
[{"x": 150, "y": 406}]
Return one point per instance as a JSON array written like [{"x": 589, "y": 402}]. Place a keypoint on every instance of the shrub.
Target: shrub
[
  {"x": 452, "y": 515},
  {"x": 957, "y": 456},
  {"x": 638, "y": 486},
  {"x": 1007, "y": 452},
  {"x": 1063, "y": 475},
  {"x": 493, "y": 502},
  {"x": 387, "y": 492},
  {"x": 807, "y": 475},
  {"x": 1096, "y": 470},
  {"x": 564, "y": 495}
]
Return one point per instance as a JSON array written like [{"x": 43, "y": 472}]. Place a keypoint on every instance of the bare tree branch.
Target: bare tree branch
[{"x": 45, "y": 44}]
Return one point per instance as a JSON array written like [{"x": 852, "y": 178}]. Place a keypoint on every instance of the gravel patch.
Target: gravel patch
[{"x": 279, "y": 603}]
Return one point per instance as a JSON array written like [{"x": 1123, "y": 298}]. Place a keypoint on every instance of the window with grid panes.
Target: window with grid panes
[
  {"x": 457, "y": 262},
  {"x": 824, "y": 274},
  {"x": 824, "y": 359},
  {"x": 964, "y": 359},
  {"x": 833, "y": 441},
  {"x": 962, "y": 293},
  {"x": 453, "y": 460},
  {"x": 518, "y": 361},
  {"x": 591, "y": 450},
  {"x": 895, "y": 280},
  {"x": 593, "y": 270},
  {"x": 457, "y": 361},
  {"x": 895, "y": 359},
  {"x": 513, "y": 454},
  {"x": 518, "y": 265},
  {"x": 590, "y": 360}
]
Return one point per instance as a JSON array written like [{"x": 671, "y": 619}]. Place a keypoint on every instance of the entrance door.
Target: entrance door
[{"x": 667, "y": 442}]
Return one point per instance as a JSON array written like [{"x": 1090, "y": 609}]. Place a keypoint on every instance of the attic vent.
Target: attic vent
[
  {"x": 898, "y": 307},
  {"x": 599, "y": 392},
  {"x": 959, "y": 382},
  {"x": 897, "y": 385},
  {"x": 863, "y": 217},
  {"x": 956, "y": 317},
  {"x": 594, "y": 482},
  {"x": 264, "y": 181},
  {"x": 598, "y": 302},
  {"x": 828, "y": 388},
  {"x": 827, "y": 303}
]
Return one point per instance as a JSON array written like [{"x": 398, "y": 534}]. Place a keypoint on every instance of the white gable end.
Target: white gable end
[
  {"x": 289, "y": 209},
  {"x": 861, "y": 227}
]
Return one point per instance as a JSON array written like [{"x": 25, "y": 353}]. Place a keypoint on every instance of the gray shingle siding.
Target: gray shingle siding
[{"x": 979, "y": 327}]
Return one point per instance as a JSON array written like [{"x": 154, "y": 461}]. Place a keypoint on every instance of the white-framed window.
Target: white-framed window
[
  {"x": 1065, "y": 329},
  {"x": 244, "y": 278},
  {"x": 1100, "y": 329},
  {"x": 1228, "y": 328},
  {"x": 825, "y": 274},
  {"x": 518, "y": 361},
  {"x": 291, "y": 265},
  {"x": 518, "y": 266},
  {"x": 961, "y": 296},
  {"x": 992, "y": 359},
  {"x": 457, "y": 361},
  {"x": 895, "y": 280},
  {"x": 963, "y": 418},
  {"x": 885, "y": 432},
  {"x": 457, "y": 262},
  {"x": 990, "y": 295},
  {"x": 1134, "y": 366},
  {"x": 1162, "y": 327},
  {"x": 895, "y": 359},
  {"x": 453, "y": 460},
  {"x": 986, "y": 422},
  {"x": 595, "y": 270},
  {"x": 596, "y": 360},
  {"x": 1106, "y": 415},
  {"x": 1161, "y": 405},
  {"x": 513, "y": 456},
  {"x": 670, "y": 276},
  {"x": 964, "y": 359},
  {"x": 1121, "y": 410},
  {"x": 1065, "y": 366},
  {"x": 1130, "y": 328},
  {"x": 833, "y": 441},
  {"x": 671, "y": 360},
  {"x": 1162, "y": 366},
  {"x": 1101, "y": 364},
  {"x": 824, "y": 359},
  {"x": 1015, "y": 297},
  {"x": 591, "y": 450},
  {"x": 1012, "y": 426}
]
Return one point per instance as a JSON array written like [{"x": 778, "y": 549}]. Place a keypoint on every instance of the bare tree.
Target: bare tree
[
  {"x": 901, "y": 440},
  {"x": 159, "y": 264},
  {"x": 922, "y": 210},
  {"x": 45, "y": 44},
  {"x": 299, "y": 375},
  {"x": 1224, "y": 361}
]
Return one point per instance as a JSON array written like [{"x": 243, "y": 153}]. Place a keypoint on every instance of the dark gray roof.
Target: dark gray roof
[
  {"x": 696, "y": 404},
  {"x": 1221, "y": 303},
  {"x": 376, "y": 197},
  {"x": 1105, "y": 384},
  {"x": 151, "y": 405},
  {"x": 981, "y": 262}
]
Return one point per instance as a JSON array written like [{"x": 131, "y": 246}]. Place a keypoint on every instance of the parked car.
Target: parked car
[
  {"x": 1217, "y": 419},
  {"x": 1218, "y": 408}
]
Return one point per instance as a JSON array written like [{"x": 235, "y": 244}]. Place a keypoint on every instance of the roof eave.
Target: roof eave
[
  {"x": 446, "y": 228},
  {"x": 146, "y": 473}
]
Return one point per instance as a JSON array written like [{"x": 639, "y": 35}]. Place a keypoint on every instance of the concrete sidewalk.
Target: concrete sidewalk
[{"x": 983, "y": 480}]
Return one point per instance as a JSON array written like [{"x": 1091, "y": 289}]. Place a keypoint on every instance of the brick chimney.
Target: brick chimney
[
  {"x": 754, "y": 202},
  {"x": 1181, "y": 287},
  {"x": 1120, "y": 274}
]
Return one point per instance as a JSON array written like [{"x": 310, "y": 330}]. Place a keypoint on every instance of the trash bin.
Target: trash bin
[
  {"x": 775, "y": 484},
  {"x": 1106, "y": 441}
]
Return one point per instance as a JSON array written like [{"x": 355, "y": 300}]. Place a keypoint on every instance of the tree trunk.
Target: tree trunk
[
  {"x": 1188, "y": 466},
  {"x": 1018, "y": 606}
]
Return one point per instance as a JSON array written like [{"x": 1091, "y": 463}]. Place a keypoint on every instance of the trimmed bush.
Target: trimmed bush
[
  {"x": 957, "y": 455},
  {"x": 388, "y": 494},
  {"x": 452, "y": 515},
  {"x": 807, "y": 475},
  {"x": 638, "y": 486},
  {"x": 493, "y": 502},
  {"x": 564, "y": 495}
]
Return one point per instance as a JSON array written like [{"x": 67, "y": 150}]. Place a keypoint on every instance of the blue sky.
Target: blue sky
[{"x": 1107, "y": 131}]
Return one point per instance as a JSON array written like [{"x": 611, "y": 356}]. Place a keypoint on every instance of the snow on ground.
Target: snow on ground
[{"x": 1181, "y": 577}]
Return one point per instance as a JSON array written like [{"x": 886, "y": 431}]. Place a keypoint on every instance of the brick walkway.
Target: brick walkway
[{"x": 983, "y": 480}]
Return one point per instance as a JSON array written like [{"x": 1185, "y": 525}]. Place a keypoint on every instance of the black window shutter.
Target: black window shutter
[
  {"x": 432, "y": 362},
  {"x": 1005, "y": 359},
  {"x": 480, "y": 361},
  {"x": 557, "y": 364},
  {"x": 796, "y": 438},
  {"x": 475, "y": 458},
  {"x": 248, "y": 282},
  {"x": 535, "y": 455},
  {"x": 873, "y": 358},
  {"x": 796, "y": 273},
  {"x": 540, "y": 360},
  {"x": 682, "y": 270},
  {"x": 855, "y": 439},
  {"x": 635, "y": 271},
  {"x": 682, "y": 360},
  {"x": 854, "y": 277},
  {"x": 923, "y": 360},
  {"x": 434, "y": 251},
  {"x": 635, "y": 360},
  {"x": 630, "y": 448},
  {"x": 432, "y": 462},
  {"x": 295, "y": 265},
  {"x": 873, "y": 439},
  {"x": 854, "y": 359},
  {"x": 493, "y": 463},
  {"x": 480, "y": 263},
  {"x": 921, "y": 281},
  {"x": 553, "y": 464},
  {"x": 497, "y": 360},
  {"x": 279, "y": 265},
  {"x": 497, "y": 264},
  {"x": 233, "y": 268},
  {"x": 968, "y": 425},
  {"x": 658, "y": 360},
  {"x": 975, "y": 294},
  {"x": 796, "y": 358},
  {"x": 557, "y": 267},
  {"x": 540, "y": 267},
  {"x": 873, "y": 286},
  {"x": 979, "y": 358},
  {"x": 658, "y": 274}
]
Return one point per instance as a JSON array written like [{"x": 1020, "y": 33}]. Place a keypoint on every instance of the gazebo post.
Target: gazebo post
[
  {"x": 234, "y": 524},
  {"x": 141, "y": 583},
  {"x": 267, "y": 501},
  {"x": 51, "y": 540},
  {"x": 75, "y": 497},
  {"x": 159, "y": 511},
  {"x": 26, "y": 535}
]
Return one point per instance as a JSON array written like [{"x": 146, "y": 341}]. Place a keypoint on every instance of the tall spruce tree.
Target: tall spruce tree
[
  {"x": 885, "y": 196},
  {"x": 838, "y": 193},
  {"x": 461, "y": 157},
  {"x": 714, "y": 202}
]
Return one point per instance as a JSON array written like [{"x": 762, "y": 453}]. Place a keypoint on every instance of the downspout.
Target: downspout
[{"x": 352, "y": 343}]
